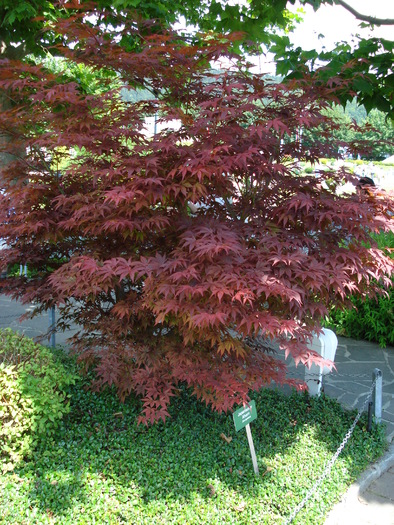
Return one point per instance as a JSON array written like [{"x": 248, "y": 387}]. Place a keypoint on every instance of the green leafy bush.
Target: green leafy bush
[
  {"x": 32, "y": 395},
  {"x": 371, "y": 319}
]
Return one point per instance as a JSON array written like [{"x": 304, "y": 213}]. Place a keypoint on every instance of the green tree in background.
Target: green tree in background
[
  {"x": 381, "y": 135},
  {"x": 24, "y": 22},
  {"x": 372, "y": 134},
  {"x": 370, "y": 317}
]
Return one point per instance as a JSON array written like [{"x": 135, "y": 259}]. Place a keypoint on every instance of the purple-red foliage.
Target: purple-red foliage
[{"x": 175, "y": 251}]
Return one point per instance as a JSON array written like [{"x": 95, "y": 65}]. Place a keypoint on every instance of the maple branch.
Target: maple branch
[
  {"x": 229, "y": 208},
  {"x": 365, "y": 18},
  {"x": 41, "y": 157}
]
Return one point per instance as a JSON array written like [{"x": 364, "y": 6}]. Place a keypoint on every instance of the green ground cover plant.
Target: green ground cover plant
[
  {"x": 101, "y": 467},
  {"x": 33, "y": 381}
]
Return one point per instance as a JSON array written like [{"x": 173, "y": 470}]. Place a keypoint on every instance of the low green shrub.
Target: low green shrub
[
  {"x": 371, "y": 319},
  {"x": 385, "y": 241},
  {"x": 359, "y": 162},
  {"x": 33, "y": 398}
]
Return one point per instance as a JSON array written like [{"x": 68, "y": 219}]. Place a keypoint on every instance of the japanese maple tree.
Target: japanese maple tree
[{"x": 181, "y": 254}]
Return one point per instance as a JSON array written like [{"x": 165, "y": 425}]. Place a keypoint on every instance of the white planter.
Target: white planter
[{"x": 325, "y": 345}]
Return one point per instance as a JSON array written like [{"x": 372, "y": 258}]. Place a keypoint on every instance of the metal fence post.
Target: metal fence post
[{"x": 377, "y": 394}]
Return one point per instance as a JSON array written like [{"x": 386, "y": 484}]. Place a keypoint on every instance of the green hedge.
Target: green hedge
[
  {"x": 371, "y": 319},
  {"x": 33, "y": 399}
]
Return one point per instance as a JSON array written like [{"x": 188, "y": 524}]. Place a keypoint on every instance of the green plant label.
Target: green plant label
[{"x": 244, "y": 415}]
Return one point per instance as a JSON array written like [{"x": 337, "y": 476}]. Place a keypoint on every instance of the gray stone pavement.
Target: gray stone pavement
[
  {"x": 350, "y": 384},
  {"x": 10, "y": 312},
  {"x": 370, "y": 500}
]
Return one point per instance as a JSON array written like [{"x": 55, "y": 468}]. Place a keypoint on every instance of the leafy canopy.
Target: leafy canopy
[
  {"x": 27, "y": 27},
  {"x": 25, "y": 22},
  {"x": 183, "y": 255}
]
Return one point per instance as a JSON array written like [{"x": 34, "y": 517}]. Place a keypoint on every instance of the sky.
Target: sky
[{"x": 337, "y": 24}]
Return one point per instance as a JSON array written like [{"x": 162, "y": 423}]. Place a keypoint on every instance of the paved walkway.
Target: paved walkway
[
  {"x": 370, "y": 501},
  {"x": 10, "y": 311},
  {"x": 351, "y": 382}
]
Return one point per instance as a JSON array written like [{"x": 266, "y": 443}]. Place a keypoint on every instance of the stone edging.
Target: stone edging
[{"x": 361, "y": 485}]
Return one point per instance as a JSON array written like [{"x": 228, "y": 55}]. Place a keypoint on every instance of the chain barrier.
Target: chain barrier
[
  {"x": 330, "y": 464},
  {"x": 17, "y": 316},
  {"x": 332, "y": 374}
]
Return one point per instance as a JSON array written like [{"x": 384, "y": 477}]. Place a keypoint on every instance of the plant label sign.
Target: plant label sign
[
  {"x": 245, "y": 415},
  {"x": 242, "y": 417}
]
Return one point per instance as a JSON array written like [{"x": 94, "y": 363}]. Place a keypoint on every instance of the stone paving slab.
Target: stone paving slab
[
  {"x": 356, "y": 361},
  {"x": 351, "y": 382},
  {"x": 382, "y": 488},
  {"x": 367, "y": 513},
  {"x": 36, "y": 328}
]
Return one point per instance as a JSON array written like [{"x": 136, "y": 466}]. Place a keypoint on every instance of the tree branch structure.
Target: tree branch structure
[{"x": 365, "y": 18}]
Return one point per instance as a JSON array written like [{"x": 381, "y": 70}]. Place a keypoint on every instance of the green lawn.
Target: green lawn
[{"x": 100, "y": 467}]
